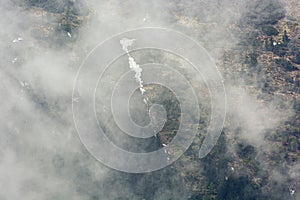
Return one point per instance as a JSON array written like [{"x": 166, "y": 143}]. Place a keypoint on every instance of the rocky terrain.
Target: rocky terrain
[{"x": 258, "y": 51}]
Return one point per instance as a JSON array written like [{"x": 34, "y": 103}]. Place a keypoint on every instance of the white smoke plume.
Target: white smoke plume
[{"x": 133, "y": 65}]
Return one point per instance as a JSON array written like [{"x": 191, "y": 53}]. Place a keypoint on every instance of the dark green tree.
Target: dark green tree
[
  {"x": 270, "y": 30},
  {"x": 271, "y": 46},
  {"x": 297, "y": 57},
  {"x": 285, "y": 38}
]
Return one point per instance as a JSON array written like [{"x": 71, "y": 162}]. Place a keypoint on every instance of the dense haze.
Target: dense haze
[{"x": 41, "y": 155}]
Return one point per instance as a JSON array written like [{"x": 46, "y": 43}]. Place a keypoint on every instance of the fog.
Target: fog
[{"x": 42, "y": 156}]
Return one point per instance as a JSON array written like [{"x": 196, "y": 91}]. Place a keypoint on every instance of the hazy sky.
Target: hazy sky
[{"x": 41, "y": 155}]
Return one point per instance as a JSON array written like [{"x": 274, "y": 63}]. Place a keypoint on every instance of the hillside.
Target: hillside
[{"x": 256, "y": 47}]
